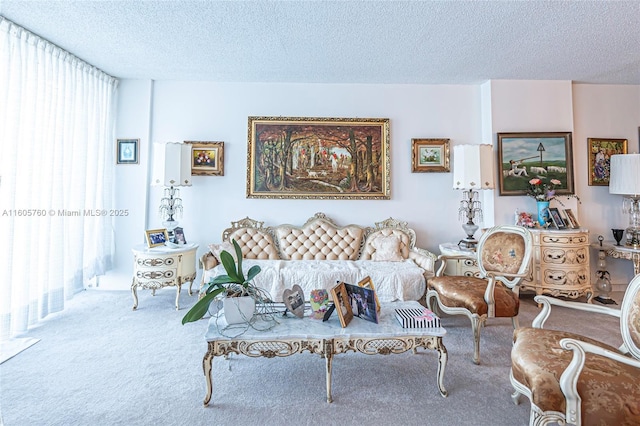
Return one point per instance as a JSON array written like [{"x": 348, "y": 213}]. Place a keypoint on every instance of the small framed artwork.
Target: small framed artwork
[
  {"x": 178, "y": 236},
  {"x": 156, "y": 237},
  {"x": 600, "y": 152},
  {"x": 341, "y": 302},
  {"x": 556, "y": 218},
  {"x": 207, "y": 158},
  {"x": 573, "y": 221},
  {"x": 127, "y": 151},
  {"x": 523, "y": 156},
  {"x": 367, "y": 283},
  {"x": 430, "y": 155}
]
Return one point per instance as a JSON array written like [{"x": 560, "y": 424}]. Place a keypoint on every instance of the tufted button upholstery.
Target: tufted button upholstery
[
  {"x": 319, "y": 240},
  {"x": 255, "y": 243}
]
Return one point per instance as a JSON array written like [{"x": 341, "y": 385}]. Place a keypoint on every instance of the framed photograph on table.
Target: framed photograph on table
[
  {"x": 127, "y": 151},
  {"x": 318, "y": 158},
  {"x": 556, "y": 218},
  {"x": 429, "y": 155},
  {"x": 341, "y": 302},
  {"x": 156, "y": 237},
  {"x": 545, "y": 155},
  {"x": 573, "y": 221},
  {"x": 367, "y": 283},
  {"x": 363, "y": 302},
  {"x": 207, "y": 158},
  {"x": 600, "y": 151}
]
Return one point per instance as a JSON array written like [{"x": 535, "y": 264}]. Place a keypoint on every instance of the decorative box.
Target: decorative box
[{"x": 417, "y": 318}]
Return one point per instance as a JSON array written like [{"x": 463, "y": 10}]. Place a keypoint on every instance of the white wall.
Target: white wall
[{"x": 178, "y": 111}]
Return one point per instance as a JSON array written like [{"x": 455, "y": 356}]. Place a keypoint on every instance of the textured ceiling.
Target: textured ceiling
[{"x": 405, "y": 42}]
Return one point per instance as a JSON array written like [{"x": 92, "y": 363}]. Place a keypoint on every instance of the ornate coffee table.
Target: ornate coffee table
[{"x": 293, "y": 335}]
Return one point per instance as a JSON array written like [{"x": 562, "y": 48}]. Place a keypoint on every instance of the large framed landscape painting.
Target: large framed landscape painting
[
  {"x": 544, "y": 155},
  {"x": 318, "y": 158}
]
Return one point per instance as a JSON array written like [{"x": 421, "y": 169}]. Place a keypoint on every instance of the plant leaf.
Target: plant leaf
[
  {"x": 255, "y": 270},
  {"x": 230, "y": 266},
  {"x": 200, "y": 308},
  {"x": 236, "y": 246}
]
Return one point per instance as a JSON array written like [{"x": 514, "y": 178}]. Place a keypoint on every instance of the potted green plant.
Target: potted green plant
[{"x": 236, "y": 289}]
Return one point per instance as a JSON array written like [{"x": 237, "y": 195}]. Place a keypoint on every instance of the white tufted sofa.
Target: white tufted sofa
[{"x": 320, "y": 253}]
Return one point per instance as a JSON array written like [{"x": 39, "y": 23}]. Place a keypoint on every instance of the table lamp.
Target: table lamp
[
  {"x": 624, "y": 179},
  {"x": 171, "y": 168},
  {"x": 472, "y": 171}
]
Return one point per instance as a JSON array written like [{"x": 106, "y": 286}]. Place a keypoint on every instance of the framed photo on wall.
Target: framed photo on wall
[
  {"x": 545, "y": 155},
  {"x": 318, "y": 158},
  {"x": 127, "y": 151},
  {"x": 207, "y": 158},
  {"x": 430, "y": 155},
  {"x": 600, "y": 152}
]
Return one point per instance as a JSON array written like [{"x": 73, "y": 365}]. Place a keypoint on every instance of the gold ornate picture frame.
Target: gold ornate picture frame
[
  {"x": 600, "y": 151},
  {"x": 341, "y": 301},
  {"x": 207, "y": 158},
  {"x": 523, "y": 156},
  {"x": 430, "y": 155},
  {"x": 318, "y": 158},
  {"x": 156, "y": 237}
]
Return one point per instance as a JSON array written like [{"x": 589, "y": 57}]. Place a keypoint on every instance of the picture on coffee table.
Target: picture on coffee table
[{"x": 363, "y": 302}]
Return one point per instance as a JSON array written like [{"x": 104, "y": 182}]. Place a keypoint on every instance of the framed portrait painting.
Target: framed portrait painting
[
  {"x": 207, "y": 158},
  {"x": 429, "y": 155},
  {"x": 600, "y": 152},
  {"x": 318, "y": 158},
  {"x": 524, "y": 156},
  {"x": 127, "y": 151}
]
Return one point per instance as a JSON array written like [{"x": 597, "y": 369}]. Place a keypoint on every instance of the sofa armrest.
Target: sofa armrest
[
  {"x": 208, "y": 261},
  {"x": 546, "y": 302},
  {"x": 423, "y": 258}
]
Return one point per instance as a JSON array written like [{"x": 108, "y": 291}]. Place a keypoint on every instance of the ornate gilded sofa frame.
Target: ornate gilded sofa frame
[
  {"x": 320, "y": 238},
  {"x": 577, "y": 380}
]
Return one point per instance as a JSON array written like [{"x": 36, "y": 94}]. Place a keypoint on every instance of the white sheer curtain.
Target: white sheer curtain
[{"x": 56, "y": 171}]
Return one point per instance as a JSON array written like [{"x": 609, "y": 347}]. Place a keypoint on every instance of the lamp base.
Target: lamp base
[{"x": 468, "y": 243}]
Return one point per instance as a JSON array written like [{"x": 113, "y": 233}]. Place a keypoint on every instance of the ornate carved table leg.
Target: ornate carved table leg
[
  {"x": 442, "y": 364},
  {"x": 135, "y": 294},
  {"x": 179, "y": 287},
  {"x": 206, "y": 366},
  {"x": 328, "y": 355}
]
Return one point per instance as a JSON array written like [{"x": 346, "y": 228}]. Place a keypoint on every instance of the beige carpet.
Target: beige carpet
[{"x": 100, "y": 363}]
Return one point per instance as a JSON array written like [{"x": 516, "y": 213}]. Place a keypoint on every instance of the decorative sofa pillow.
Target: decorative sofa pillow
[
  {"x": 216, "y": 249},
  {"x": 387, "y": 249}
]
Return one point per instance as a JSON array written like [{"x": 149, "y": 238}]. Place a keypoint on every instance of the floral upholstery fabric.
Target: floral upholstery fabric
[
  {"x": 634, "y": 321},
  {"x": 468, "y": 292},
  {"x": 610, "y": 391},
  {"x": 503, "y": 252}
]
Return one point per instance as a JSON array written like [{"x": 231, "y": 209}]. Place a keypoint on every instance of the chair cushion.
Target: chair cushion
[
  {"x": 613, "y": 396},
  {"x": 503, "y": 252},
  {"x": 468, "y": 292}
]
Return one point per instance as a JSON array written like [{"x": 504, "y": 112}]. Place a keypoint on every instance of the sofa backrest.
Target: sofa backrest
[
  {"x": 389, "y": 233},
  {"x": 319, "y": 239},
  {"x": 253, "y": 238}
]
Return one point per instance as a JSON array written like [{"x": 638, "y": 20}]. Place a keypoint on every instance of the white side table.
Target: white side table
[
  {"x": 466, "y": 264},
  {"x": 158, "y": 267}
]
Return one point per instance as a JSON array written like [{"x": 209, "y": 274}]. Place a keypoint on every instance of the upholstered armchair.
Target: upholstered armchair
[
  {"x": 577, "y": 380},
  {"x": 503, "y": 256}
]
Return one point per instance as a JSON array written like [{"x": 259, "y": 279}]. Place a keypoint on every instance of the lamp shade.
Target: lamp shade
[
  {"x": 473, "y": 167},
  {"x": 624, "y": 175},
  {"x": 171, "y": 164}
]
